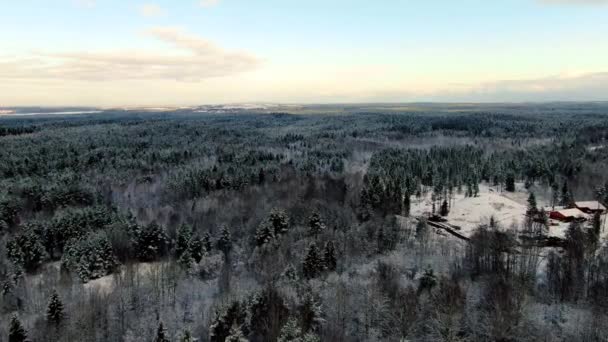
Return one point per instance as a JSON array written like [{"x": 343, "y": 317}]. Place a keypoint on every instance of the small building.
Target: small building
[
  {"x": 568, "y": 215},
  {"x": 590, "y": 207}
]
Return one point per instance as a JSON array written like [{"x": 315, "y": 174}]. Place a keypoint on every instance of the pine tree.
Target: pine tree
[
  {"x": 197, "y": 249},
  {"x": 532, "y": 210},
  {"x": 444, "y": 210},
  {"x": 313, "y": 264},
  {"x": 279, "y": 221},
  {"x": 150, "y": 242},
  {"x": 184, "y": 236},
  {"x": 224, "y": 242},
  {"x": 291, "y": 331},
  {"x": 510, "y": 183},
  {"x": 236, "y": 335},
  {"x": 54, "y": 311},
  {"x": 566, "y": 199},
  {"x": 329, "y": 256},
  {"x": 315, "y": 224},
  {"x": 161, "y": 334},
  {"x": 207, "y": 245},
  {"x": 428, "y": 281},
  {"x": 406, "y": 205},
  {"x": 16, "y": 332},
  {"x": 186, "y": 337},
  {"x": 264, "y": 234}
]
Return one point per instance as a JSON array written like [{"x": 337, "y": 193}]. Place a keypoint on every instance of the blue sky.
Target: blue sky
[{"x": 126, "y": 53}]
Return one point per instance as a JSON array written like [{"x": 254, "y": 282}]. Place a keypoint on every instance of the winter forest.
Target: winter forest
[{"x": 314, "y": 223}]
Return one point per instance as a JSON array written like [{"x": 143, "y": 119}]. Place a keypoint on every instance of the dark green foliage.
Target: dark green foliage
[
  {"x": 264, "y": 235},
  {"x": 161, "y": 334},
  {"x": 188, "y": 247},
  {"x": 150, "y": 242},
  {"x": 90, "y": 257},
  {"x": 532, "y": 209},
  {"x": 206, "y": 242},
  {"x": 510, "y": 183},
  {"x": 224, "y": 242},
  {"x": 54, "y": 310},
  {"x": 315, "y": 224},
  {"x": 234, "y": 314},
  {"x": 265, "y": 304},
  {"x": 312, "y": 266},
  {"x": 279, "y": 220},
  {"x": 445, "y": 209},
  {"x": 428, "y": 281},
  {"x": 329, "y": 256},
  {"x": 9, "y": 210},
  {"x": 566, "y": 197},
  {"x": 27, "y": 249},
  {"x": 74, "y": 223},
  {"x": 16, "y": 331}
]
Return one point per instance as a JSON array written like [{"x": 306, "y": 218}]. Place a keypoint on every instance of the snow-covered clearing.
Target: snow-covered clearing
[{"x": 469, "y": 212}]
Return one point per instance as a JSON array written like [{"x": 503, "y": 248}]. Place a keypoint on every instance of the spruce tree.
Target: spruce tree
[
  {"x": 236, "y": 335},
  {"x": 207, "y": 245},
  {"x": 186, "y": 337},
  {"x": 510, "y": 183},
  {"x": 315, "y": 224},
  {"x": 184, "y": 236},
  {"x": 54, "y": 311},
  {"x": 532, "y": 209},
  {"x": 16, "y": 331},
  {"x": 197, "y": 248},
  {"x": 313, "y": 264},
  {"x": 566, "y": 199},
  {"x": 224, "y": 242},
  {"x": 329, "y": 256},
  {"x": 264, "y": 234},
  {"x": 161, "y": 334},
  {"x": 444, "y": 210},
  {"x": 406, "y": 205},
  {"x": 279, "y": 221}
]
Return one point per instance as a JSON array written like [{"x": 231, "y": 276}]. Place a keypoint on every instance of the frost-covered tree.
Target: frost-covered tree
[
  {"x": 27, "y": 249},
  {"x": 312, "y": 265},
  {"x": 316, "y": 224},
  {"x": 161, "y": 334},
  {"x": 279, "y": 220},
  {"x": 329, "y": 256},
  {"x": 189, "y": 247},
  {"x": 16, "y": 331},
  {"x": 532, "y": 207},
  {"x": 54, "y": 310},
  {"x": 91, "y": 257},
  {"x": 224, "y": 242},
  {"x": 150, "y": 242},
  {"x": 236, "y": 335},
  {"x": 291, "y": 332}
]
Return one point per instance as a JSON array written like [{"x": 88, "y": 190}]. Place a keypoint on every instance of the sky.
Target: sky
[{"x": 113, "y": 53}]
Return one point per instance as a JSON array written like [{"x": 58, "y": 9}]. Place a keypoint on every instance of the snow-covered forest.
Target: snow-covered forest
[{"x": 320, "y": 223}]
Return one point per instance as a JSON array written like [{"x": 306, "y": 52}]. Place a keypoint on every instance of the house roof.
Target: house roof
[
  {"x": 571, "y": 212},
  {"x": 590, "y": 204}
]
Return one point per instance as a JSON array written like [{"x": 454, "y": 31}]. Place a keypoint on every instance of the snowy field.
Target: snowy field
[{"x": 469, "y": 212}]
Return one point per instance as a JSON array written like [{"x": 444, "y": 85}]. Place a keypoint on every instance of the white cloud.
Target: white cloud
[
  {"x": 567, "y": 87},
  {"x": 209, "y": 3},
  {"x": 151, "y": 10},
  {"x": 193, "y": 59}
]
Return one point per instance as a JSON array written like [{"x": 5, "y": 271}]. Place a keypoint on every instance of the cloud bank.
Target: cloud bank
[{"x": 192, "y": 59}]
